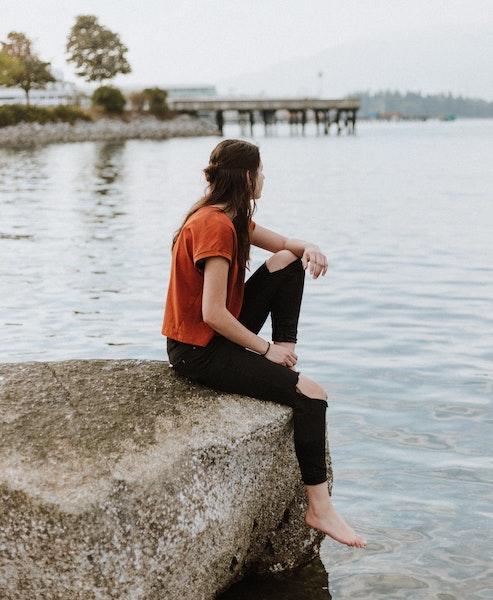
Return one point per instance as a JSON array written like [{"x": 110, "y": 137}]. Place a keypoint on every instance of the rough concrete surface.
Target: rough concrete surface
[{"x": 121, "y": 480}]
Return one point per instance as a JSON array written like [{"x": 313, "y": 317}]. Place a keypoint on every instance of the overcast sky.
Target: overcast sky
[{"x": 177, "y": 42}]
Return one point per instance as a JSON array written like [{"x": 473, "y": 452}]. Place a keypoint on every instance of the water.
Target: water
[{"x": 400, "y": 332}]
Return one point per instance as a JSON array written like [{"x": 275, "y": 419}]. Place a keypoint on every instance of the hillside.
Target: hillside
[
  {"x": 433, "y": 61},
  {"x": 412, "y": 104}
]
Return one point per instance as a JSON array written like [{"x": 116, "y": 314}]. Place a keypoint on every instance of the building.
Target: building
[
  {"x": 197, "y": 91},
  {"x": 54, "y": 94}
]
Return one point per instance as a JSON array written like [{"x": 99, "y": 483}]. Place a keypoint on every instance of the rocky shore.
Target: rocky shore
[{"x": 105, "y": 129}]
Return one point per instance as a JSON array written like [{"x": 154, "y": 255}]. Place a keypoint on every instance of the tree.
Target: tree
[
  {"x": 9, "y": 67},
  {"x": 21, "y": 67},
  {"x": 110, "y": 99},
  {"x": 96, "y": 52},
  {"x": 157, "y": 102},
  {"x": 138, "y": 100}
]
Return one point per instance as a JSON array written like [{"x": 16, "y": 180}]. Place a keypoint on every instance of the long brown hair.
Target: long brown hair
[{"x": 231, "y": 175}]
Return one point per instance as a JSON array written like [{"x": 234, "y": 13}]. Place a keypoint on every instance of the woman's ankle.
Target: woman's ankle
[{"x": 318, "y": 493}]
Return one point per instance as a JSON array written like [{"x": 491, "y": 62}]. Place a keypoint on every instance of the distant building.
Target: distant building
[
  {"x": 65, "y": 92},
  {"x": 58, "y": 92},
  {"x": 204, "y": 91},
  {"x": 198, "y": 92}
]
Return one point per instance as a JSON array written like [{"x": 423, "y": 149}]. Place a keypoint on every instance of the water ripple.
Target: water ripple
[{"x": 399, "y": 332}]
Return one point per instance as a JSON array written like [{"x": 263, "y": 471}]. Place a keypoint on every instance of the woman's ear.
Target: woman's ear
[{"x": 252, "y": 182}]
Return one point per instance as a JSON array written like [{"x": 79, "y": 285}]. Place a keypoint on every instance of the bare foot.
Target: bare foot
[{"x": 333, "y": 525}]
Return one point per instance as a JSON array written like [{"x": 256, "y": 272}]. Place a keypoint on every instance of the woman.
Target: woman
[{"x": 213, "y": 317}]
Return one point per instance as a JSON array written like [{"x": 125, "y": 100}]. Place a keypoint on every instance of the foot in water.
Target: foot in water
[{"x": 333, "y": 525}]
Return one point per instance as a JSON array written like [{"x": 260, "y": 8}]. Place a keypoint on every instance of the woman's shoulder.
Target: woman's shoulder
[{"x": 207, "y": 215}]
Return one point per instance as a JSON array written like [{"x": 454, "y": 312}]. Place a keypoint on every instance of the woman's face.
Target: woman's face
[{"x": 259, "y": 182}]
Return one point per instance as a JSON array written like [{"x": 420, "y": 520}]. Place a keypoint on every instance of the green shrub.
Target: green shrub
[
  {"x": 68, "y": 114},
  {"x": 13, "y": 114},
  {"x": 110, "y": 99},
  {"x": 7, "y": 116},
  {"x": 157, "y": 102}
]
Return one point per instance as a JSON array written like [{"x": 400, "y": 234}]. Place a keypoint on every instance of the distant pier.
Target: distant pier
[{"x": 327, "y": 114}]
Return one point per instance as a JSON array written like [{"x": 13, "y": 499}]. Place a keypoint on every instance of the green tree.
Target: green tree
[
  {"x": 9, "y": 67},
  {"x": 138, "y": 100},
  {"x": 157, "y": 102},
  {"x": 96, "y": 52},
  {"x": 110, "y": 99},
  {"x": 21, "y": 67}
]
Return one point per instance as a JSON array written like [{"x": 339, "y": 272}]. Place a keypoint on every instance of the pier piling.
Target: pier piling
[{"x": 340, "y": 113}]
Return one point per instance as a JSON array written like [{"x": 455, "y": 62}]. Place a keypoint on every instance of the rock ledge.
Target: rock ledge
[{"x": 118, "y": 479}]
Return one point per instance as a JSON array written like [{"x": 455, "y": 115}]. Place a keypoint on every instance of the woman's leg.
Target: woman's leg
[
  {"x": 275, "y": 289},
  {"x": 286, "y": 303},
  {"x": 227, "y": 367},
  {"x": 322, "y": 515}
]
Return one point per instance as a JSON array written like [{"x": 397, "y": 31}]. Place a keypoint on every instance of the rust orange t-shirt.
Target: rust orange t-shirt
[{"x": 207, "y": 233}]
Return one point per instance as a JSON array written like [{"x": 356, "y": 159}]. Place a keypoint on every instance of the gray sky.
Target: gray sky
[{"x": 177, "y": 42}]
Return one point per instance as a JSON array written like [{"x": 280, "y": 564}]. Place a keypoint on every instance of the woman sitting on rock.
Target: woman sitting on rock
[{"x": 213, "y": 317}]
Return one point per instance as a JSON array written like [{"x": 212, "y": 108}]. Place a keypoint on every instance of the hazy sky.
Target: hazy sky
[{"x": 176, "y": 42}]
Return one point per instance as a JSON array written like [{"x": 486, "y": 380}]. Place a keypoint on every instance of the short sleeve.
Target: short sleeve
[{"x": 213, "y": 236}]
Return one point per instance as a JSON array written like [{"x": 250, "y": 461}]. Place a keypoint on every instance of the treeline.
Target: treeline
[{"x": 412, "y": 104}]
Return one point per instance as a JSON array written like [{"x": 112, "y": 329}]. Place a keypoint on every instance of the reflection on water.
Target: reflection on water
[
  {"x": 108, "y": 167},
  {"x": 309, "y": 582},
  {"x": 104, "y": 199},
  {"x": 400, "y": 332}
]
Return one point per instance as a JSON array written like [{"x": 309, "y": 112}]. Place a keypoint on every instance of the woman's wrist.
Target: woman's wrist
[{"x": 267, "y": 350}]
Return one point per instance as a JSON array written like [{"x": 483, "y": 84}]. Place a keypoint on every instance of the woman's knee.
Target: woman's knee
[
  {"x": 311, "y": 388},
  {"x": 280, "y": 260}
]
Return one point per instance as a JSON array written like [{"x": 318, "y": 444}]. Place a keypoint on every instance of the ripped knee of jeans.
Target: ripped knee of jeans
[
  {"x": 280, "y": 260},
  {"x": 311, "y": 389}
]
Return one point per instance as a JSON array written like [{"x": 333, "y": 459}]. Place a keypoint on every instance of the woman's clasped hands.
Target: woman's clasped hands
[{"x": 282, "y": 355}]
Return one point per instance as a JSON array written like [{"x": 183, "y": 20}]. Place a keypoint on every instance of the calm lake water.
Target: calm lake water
[{"x": 400, "y": 331}]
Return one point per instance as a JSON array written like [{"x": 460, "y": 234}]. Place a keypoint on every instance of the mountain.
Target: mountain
[
  {"x": 429, "y": 61},
  {"x": 412, "y": 105}
]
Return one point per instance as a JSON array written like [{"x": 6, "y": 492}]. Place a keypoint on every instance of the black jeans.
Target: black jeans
[{"x": 228, "y": 367}]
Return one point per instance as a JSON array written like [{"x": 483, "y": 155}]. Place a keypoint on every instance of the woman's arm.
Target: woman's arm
[
  {"x": 218, "y": 317},
  {"x": 309, "y": 253}
]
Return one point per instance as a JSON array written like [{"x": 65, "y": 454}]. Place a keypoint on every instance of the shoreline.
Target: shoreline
[{"x": 105, "y": 129}]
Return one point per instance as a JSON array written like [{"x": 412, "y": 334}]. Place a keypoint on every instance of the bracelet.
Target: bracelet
[{"x": 268, "y": 348}]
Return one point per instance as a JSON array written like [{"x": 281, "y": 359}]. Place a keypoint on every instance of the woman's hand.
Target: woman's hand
[
  {"x": 315, "y": 259},
  {"x": 281, "y": 356},
  {"x": 218, "y": 317},
  {"x": 310, "y": 254}
]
